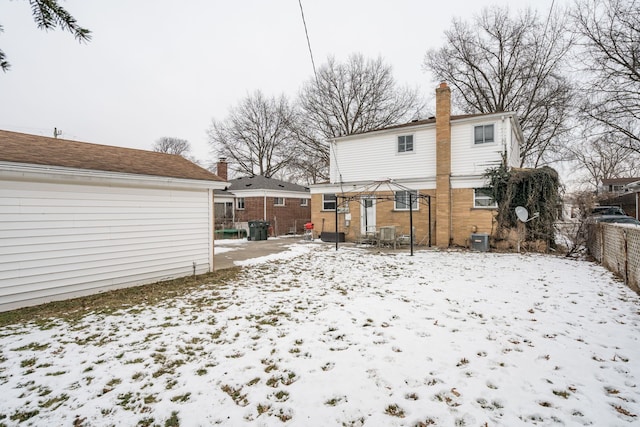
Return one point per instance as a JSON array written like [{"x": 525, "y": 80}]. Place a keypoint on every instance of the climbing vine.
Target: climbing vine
[{"x": 535, "y": 189}]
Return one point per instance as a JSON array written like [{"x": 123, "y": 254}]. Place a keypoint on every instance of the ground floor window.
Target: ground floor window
[
  {"x": 278, "y": 201},
  {"x": 402, "y": 200},
  {"x": 483, "y": 198},
  {"x": 328, "y": 202}
]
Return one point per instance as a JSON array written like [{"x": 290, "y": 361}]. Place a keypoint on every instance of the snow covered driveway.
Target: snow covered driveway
[{"x": 318, "y": 337}]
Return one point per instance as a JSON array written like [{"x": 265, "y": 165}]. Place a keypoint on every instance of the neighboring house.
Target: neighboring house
[
  {"x": 634, "y": 187},
  {"x": 79, "y": 218},
  {"x": 285, "y": 206},
  {"x": 619, "y": 192},
  {"x": 440, "y": 162}
]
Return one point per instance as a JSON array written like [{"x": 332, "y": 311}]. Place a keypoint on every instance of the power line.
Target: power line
[{"x": 304, "y": 22}]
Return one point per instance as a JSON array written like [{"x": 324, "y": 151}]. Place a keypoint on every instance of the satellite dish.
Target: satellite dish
[{"x": 522, "y": 213}]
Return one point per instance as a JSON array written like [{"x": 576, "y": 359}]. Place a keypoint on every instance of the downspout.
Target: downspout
[
  {"x": 450, "y": 212},
  {"x": 210, "y": 228},
  {"x": 264, "y": 205}
]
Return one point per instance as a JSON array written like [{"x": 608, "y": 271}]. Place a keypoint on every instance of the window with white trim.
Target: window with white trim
[
  {"x": 405, "y": 143},
  {"x": 328, "y": 202},
  {"x": 240, "y": 203},
  {"x": 483, "y": 198},
  {"x": 483, "y": 134},
  {"x": 278, "y": 201},
  {"x": 402, "y": 200},
  {"x": 304, "y": 202}
]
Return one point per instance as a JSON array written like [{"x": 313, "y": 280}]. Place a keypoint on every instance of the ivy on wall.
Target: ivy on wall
[{"x": 535, "y": 189}]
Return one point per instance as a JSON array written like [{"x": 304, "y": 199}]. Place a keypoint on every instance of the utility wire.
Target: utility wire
[{"x": 304, "y": 22}]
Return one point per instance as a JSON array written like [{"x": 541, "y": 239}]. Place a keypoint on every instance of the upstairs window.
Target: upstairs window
[
  {"x": 304, "y": 202},
  {"x": 402, "y": 200},
  {"x": 483, "y": 134},
  {"x": 405, "y": 143},
  {"x": 483, "y": 198},
  {"x": 328, "y": 202},
  {"x": 278, "y": 201},
  {"x": 240, "y": 203}
]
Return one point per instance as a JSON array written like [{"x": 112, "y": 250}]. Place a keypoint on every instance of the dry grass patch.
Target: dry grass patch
[{"x": 109, "y": 302}]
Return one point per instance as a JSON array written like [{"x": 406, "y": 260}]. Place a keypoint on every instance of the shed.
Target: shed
[{"x": 79, "y": 218}]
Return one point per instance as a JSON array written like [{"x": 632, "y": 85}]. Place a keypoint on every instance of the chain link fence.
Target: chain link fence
[{"x": 618, "y": 249}]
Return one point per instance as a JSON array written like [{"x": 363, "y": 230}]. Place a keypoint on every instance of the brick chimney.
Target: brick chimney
[
  {"x": 443, "y": 165},
  {"x": 221, "y": 168}
]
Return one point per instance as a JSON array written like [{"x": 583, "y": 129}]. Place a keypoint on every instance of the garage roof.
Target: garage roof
[{"x": 40, "y": 150}]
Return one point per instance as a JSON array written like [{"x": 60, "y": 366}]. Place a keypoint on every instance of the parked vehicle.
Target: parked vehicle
[
  {"x": 615, "y": 219},
  {"x": 607, "y": 210}
]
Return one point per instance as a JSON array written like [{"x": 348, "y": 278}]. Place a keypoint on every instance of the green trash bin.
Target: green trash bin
[
  {"x": 264, "y": 228},
  {"x": 253, "y": 230},
  {"x": 258, "y": 230}
]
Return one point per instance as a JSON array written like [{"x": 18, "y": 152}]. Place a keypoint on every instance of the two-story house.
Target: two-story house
[
  {"x": 284, "y": 205},
  {"x": 437, "y": 164}
]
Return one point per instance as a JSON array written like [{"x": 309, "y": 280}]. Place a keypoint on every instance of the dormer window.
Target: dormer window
[
  {"x": 483, "y": 134},
  {"x": 405, "y": 143}
]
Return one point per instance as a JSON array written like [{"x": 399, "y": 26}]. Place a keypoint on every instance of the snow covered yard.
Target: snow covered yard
[{"x": 316, "y": 337}]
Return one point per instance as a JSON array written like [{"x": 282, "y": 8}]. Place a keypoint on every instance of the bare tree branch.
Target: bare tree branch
[
  {"x": 346, "y": 98},
  {"x": 170, "y": 145},
  {"x": 609, "y": 52},
  {"x": 500, "y": 62},
  {"x": 257, "y": 135}
]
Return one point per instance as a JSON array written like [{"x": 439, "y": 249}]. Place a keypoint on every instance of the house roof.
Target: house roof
[
  {"x": 430, "y": 120},
  {"x": 258, "y": 182},
  {"x": 40, "y": 150},
  {"x": 620, "y": 181}
]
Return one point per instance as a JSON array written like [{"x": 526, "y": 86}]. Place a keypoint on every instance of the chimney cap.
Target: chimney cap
[
  {"x": 222, "y": 159},
  {"x": 443, "y": 84}
]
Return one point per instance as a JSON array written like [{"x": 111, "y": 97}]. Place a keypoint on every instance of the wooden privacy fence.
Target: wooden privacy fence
[{"x": 617, "y": 247}]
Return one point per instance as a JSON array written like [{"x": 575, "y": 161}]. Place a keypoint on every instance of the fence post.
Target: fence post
[{"x": 626, "y": 258}]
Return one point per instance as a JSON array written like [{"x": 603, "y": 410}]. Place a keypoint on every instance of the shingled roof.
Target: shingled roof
[
  {"x": 40, "y": 150},
  {"x": 259, "y": 182}
]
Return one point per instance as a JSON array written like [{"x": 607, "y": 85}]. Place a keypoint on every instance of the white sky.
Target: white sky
[
  {"x": 159, "y": 68},
  {"x": 333, "y": 338}
]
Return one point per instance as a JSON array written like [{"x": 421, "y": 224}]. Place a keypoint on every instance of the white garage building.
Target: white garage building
[{"x": 78, "y": 218}]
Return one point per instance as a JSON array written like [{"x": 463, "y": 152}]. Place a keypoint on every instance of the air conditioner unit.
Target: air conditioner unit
[{"x": 480, "y": 242}]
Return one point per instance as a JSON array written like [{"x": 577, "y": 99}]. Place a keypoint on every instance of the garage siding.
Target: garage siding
[{"x": 63, "y": 240}]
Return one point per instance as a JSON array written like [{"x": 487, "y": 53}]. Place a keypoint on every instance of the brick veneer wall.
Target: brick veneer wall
[
  {"x": 443, "y": 166},
  {"x": 465, "y": 219},
  {"x": 282, "y": 219}
]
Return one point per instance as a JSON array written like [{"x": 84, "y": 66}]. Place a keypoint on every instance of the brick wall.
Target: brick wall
[
  {"x": 465, "y": 219},
  {"x": 282, "y": 219},
  {"x": 443, "y": 166}
]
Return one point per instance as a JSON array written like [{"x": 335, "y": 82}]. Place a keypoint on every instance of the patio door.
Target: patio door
[{"x": 367, "y": 215}]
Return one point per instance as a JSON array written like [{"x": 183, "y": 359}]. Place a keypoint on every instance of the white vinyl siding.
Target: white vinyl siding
[
  {"x": 468, "y": 158},
  {"x": 62, "y": 240},
  {"x": 376, "y": 156}
]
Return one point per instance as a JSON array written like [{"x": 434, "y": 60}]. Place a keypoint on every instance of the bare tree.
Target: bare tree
[
  {"x": 346, "y": 98},
  {"x": 170, "y": 145},
  {"x": 609, "y": 33},
  {"x": 48, "y": 15},
  {"x": 257, "y": 135},
  {"x": 499, "y": 62},
  {"x": 598, "y": 157}
]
